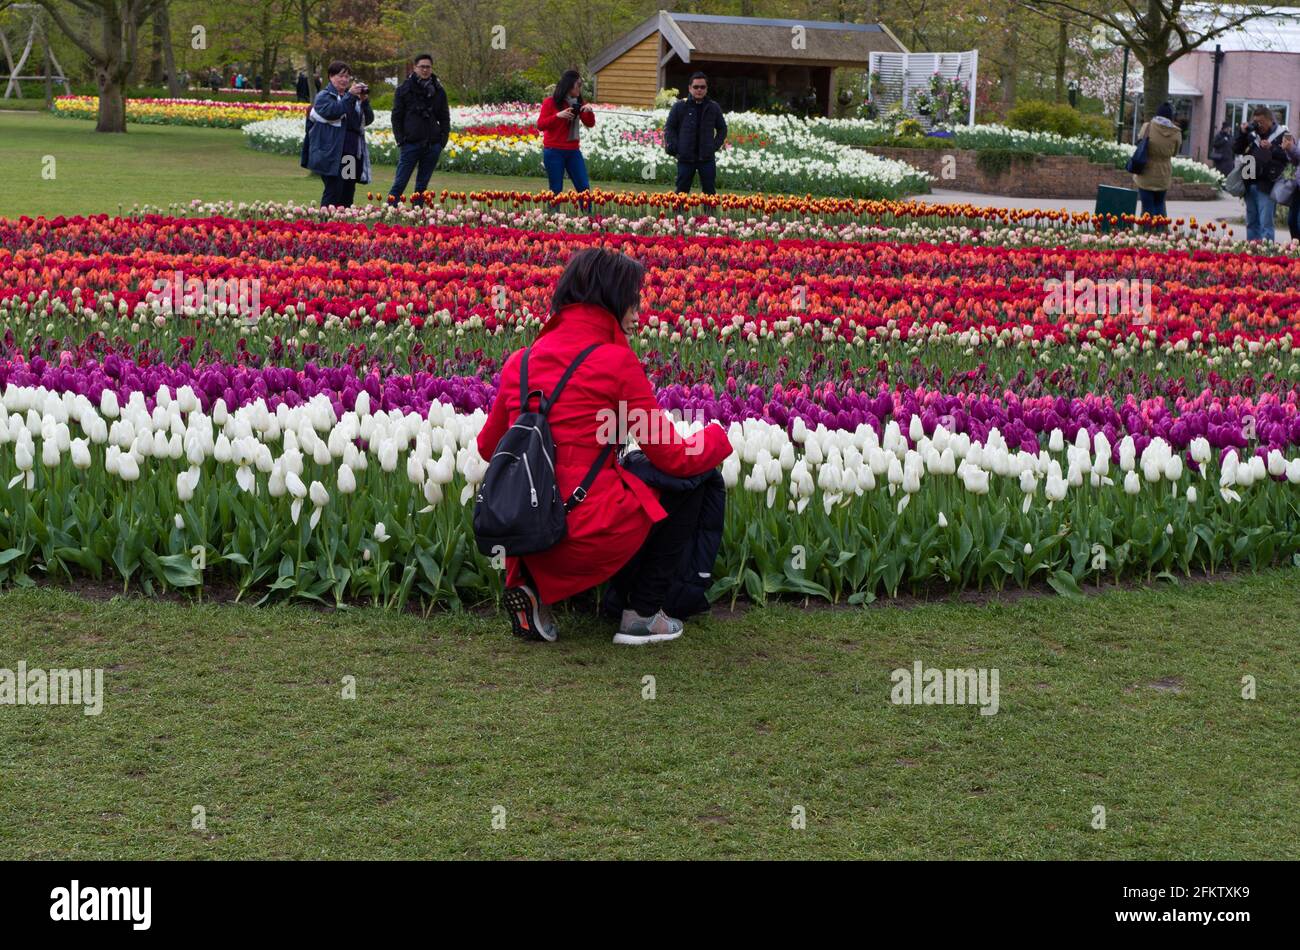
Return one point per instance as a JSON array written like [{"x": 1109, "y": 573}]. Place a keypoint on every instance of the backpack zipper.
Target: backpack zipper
[{"x": 532, "y": 489}]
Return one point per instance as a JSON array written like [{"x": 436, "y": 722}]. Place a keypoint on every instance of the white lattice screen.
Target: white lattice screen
[{"x": 902, "y": 75}]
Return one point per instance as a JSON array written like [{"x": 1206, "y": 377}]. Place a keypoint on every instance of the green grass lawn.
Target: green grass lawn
[
  {"x": 1130, "y": 700},
  {"x": 159, "y": 165}
]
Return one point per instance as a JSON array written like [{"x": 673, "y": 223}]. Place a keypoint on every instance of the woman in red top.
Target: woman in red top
[
  {"x": 598, "y": 300},
  {"x": 562, "y": 118}
]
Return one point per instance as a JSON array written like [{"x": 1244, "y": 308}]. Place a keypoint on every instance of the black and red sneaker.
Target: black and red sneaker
[{"x": 526, "y": 620}]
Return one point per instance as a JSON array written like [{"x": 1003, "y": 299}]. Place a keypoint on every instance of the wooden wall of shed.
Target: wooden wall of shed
[{"x": 633, "y": 78}]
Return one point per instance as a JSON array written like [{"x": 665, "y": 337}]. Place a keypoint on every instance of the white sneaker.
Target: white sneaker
[
  {"x": 636, "y": 629},
  {"x": 530, "y": 619}
]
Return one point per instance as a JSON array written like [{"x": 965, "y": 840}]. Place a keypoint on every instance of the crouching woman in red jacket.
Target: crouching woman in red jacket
[{"x": 623, "y": 530}]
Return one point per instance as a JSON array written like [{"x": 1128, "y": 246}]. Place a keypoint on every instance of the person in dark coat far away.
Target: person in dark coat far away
[
  {"x": 421, "y": 126},
  {"x": 694, "y": 134}
]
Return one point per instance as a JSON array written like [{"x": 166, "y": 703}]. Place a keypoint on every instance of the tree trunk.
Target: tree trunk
[
  {"x": 112, "y": 71},
  {"x": 305, "y": 21},
  {"x": 49, "y": 67},
  {"x": 175, "y": 88},
  {"x": 1155, "y": 88},
  {"x": 1009, "y": 68},
  {"x": 1062, "y": 41},
  {"x": 112, "y": 101},
  {"x": 154, "y": 75}
]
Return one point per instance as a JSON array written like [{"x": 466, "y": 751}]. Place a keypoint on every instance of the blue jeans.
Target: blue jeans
[
  {"x": 1153, "y": 202},
  {"x": 558, "y": 161},
  {"x": 415, "y": 155},
  {"x": 1259, "y": 213}
]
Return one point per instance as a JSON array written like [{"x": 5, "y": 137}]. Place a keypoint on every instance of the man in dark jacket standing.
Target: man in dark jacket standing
[
  {"x": 421, "y": 124},
  {"x": 694, "y": 132},
  {"x": 1221, "y": 150},
  {"x": 1260, "y": 140}
]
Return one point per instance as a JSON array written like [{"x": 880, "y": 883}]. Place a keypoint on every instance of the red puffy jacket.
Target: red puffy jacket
[
  {"x": 612, "y": 522},
  {"x": 555, "y": 131}
]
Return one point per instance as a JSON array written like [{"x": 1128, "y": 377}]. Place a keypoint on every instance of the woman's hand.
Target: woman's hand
[
  {"x": 566, "y": 114},
  {"x": 586, "y": 107}
]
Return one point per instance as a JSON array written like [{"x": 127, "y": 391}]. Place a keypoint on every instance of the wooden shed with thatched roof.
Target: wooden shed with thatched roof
[{"x": 751, "y": 62}]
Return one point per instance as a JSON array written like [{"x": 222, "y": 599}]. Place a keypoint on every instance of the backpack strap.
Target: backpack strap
[
  {"x": 559, "y": 387},
  {"x": 524, "y": 394},
  {"x": 580, "y": 492}
]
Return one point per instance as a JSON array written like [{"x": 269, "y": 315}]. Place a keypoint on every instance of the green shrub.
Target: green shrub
[
  {"x": 997, "y": 161},
  {"x": 1096, "y": 126},
  {"x": 512, "y": 88},
  {"x": 665, "y": 98},
  {"x": 1035, "y": 115}
]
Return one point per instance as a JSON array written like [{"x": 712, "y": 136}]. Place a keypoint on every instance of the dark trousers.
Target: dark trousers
[
  {"x": 1153, "y": 202},
  {"x": 1293, "y": 216},
  {"x": 420, "y": 158},
  {"x": 338, "y": 191},
  {"x": 645, "y": 579},
  {"x": 686, "y": 176}
]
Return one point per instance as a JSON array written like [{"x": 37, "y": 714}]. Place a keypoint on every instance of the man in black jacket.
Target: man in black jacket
[
  {"x": 1260, "y": 140},
  {"x": 421, "y": 124},
  {"x": 694, "y": 132}
]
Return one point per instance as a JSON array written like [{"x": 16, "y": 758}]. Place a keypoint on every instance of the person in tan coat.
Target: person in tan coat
[{"x": 1165, "y": 138}]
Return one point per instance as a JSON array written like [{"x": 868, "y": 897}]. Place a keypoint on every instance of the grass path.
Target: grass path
[
  {"x": 1130, "y": 700},
  {"x": 159, "y": 165}
]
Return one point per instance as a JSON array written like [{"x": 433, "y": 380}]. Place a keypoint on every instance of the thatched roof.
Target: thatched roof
[{"x": 694, "y": 37}]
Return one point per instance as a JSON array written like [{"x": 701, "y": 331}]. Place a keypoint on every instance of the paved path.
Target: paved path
[{"x": 1225, "y": 208}]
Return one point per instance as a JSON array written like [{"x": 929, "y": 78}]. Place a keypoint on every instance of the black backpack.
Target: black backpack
[{"x": 518, "y": 507}]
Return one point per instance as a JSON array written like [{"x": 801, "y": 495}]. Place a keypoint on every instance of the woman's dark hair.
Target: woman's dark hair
[
  {"x": 602, "y": 278},
  {"x": 336, "y": 67},
  {"x": 561, "y": 94}
]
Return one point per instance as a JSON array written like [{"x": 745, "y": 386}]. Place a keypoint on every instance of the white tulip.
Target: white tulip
[
  {"x": 432, "y": 493},
  {"x": 381, "y": 533},
  {"x": 347, "y": 481},
  {"x": 319, "y": 496},
  {"x": 128, "y": 469}
]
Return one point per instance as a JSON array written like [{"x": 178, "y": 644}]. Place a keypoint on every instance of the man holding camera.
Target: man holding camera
[
  {"x": 421, "y": 125},
  {"x": 1263, "y": 141},
  {"x": 693, "y": 134},
  {"x": 335, "y": 144}
]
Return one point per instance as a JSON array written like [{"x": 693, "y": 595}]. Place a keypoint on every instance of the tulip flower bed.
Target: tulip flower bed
[
  {"x": 201, "y": 112},
  {"x": 1001, "y": 137},
  {"x": 907, "y": 417},
  {"x": 771, "y": 154},
  {"x": 746, "y": 217}
]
